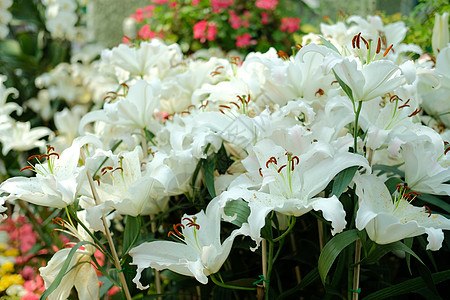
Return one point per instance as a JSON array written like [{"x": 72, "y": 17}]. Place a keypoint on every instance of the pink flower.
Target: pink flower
[
  {"x": 211, "y": 32},
  {"x": 204, "y": 30},
  {"x": 160, "y": 1},
  {"x": 234, "y": 20},
  {"x": 30, "y": 296},
  {"x": 265, "y": 18},
  {"x": 237, "y": 22},
  {"x": 195, "y": 2},
  {"x": 27, "y": 273},
  {"x": 244, "y": 40},
  {"x": 145, "y": 33},
  {"x": 266, "y": 4},
  {"x": 113, "y": 290},
  {"x": 218, "y": 5},
  {"x": 173, "y": 4},
  {"x": 290, "y": 25},
  {"x": 143, "y": 13}
]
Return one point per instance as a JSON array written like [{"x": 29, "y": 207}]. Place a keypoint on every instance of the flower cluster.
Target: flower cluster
[
  {"x": 221, "y": 23},
  {"x": 214, "y": 167}
]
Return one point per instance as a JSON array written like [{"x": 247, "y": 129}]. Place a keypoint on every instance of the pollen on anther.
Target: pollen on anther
[
  {"x": 429, "y": 211},
  {"x": 281, "y": 168},
  {"x": 388, "y": 49},
  {"x": 26, "y": 168},
  {"x": 415, "y": 112}
]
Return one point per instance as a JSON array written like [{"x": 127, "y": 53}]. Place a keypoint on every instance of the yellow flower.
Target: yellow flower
[
  {"x": 12, "y": 252},
  {"x": 7, "y": 267},
  {"x": 9, "y": 280}
]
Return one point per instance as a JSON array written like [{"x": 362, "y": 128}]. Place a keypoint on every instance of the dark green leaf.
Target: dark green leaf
[
  {"x": 389, "y": 169},
  {"x": 444, "y": 205},
  {"x": 223, "y": 161},
  {"x": 238, "y": 208},
  {"x": 209, "y": 166},
  {"x": 392, "y": 183},
  {"x": 131, "y": 233},
  {"x": 332, "y": 249},
  {"x": 344, "y": 86},
  {"x": 312, "y": 276},
  {"x": 408, "y": 286},
  {"x": 382, "y": 250},
  {"x": 342, "y": 180}
]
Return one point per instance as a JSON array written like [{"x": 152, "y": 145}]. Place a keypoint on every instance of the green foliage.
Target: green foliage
[{"x": 421, "y": 22}]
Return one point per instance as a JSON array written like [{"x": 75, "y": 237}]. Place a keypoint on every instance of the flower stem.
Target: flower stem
[
  {"x": 355, "y": 129},
  {"x": 269, "y": 270},
  {"x": 224, "y": 285},
  {"x": 264, "y": 260},
  {"x": 157, "y": 274},
  {"x": 107, "y": 233},
  {"x": 356, "y": 270}
]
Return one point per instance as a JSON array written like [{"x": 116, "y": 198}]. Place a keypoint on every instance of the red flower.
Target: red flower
[{"x": 290, "y": 24}]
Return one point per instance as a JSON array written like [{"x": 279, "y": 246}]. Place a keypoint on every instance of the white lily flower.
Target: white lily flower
[
  {"x": 388, "y": 220},
  {"x": 123, "y": 186},
  {"x": 367, "y": 81},
  {"x": 19, "y": 136},
  {"x": 278, "y": 180},
  {"x": 200, "y": 254},
  {"x": 135, "y": 111},
  {"x": 427, "y": 164},
  {"x": 440, "y": 37},
  {"x": 56, "y": 182},
  {"x": 81, "y": 274}
]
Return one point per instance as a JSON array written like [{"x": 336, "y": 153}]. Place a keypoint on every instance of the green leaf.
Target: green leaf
[
  {"x": 332, "y": 249},
  {"x": 209, "y": 166},
  {"x": 444, "y": 205},
  {"x": 342, "y": 180},
  {"x": 345, "y": 87},
  {"x": 392, "y": 183},
  {"x": 131, "y": 233},
  {"x": 63, "y": 270},
  {"x": 408, "y": 243},
  {"x": 312, "y": 276},
  {"x": 389, "y": 169},
  {"x": 382, "y": 250},
  {"x": 408, "y": 286},
  {"x": 328, "y": 44},
  {"x": 238, "y": 208},
  {"x": 223, "y": 161}
]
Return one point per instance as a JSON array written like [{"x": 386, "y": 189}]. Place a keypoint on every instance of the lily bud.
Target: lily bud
[{"x": 440, "y": 36}]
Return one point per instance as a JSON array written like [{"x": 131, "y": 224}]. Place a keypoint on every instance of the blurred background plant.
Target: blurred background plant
[{"x": 227, "y": 24}]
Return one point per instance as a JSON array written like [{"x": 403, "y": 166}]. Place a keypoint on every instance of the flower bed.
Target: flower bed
[{"x": 138, "y": 170}]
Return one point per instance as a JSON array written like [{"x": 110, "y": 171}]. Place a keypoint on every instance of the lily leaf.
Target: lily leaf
[
  {"x": 209, "y": 166},
  {"x": 408, "y": 286},
  {"x": 328, "y": 44},
  {"x": 342, "y": 180},
  {"x": 382, "y": 250},
  {"x": 238, "y": 208},
  {"x": 332, "y": 249},
  {"x": 345, "y": 87}
]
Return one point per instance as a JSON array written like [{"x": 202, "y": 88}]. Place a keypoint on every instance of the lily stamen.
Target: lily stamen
[
  {"x": 271, "y": 160},
  {"x": 378, "y": 46},
  {"x": 27, "y": 168},
  {"x": 415, "y": 112},
  {"x": 388, "y": 49},
  {"x": 281, "y": 168},
  {"x": 429, "y": 210},
  {"x": 405, "y": 105}
]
